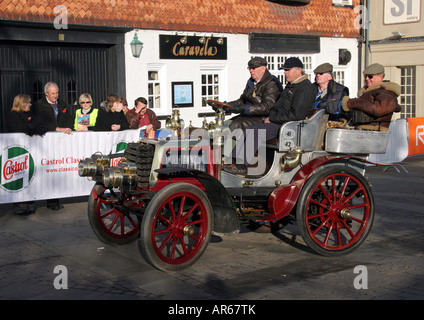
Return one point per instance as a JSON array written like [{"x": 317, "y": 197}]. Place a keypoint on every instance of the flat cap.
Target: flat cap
[
  {"x": 374, "y": 68},
  {"x": 257, "y": 62},
  {"x": 292, "y": 62},
  {"x": 324, "y": 68}
]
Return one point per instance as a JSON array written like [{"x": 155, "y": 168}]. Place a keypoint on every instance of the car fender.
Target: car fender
[{"x": 224, "y": 210}]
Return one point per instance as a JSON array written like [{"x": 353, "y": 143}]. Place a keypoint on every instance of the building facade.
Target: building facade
[
  {"x": 191, "y": 51},
  {"x": 396, "y": 40}
]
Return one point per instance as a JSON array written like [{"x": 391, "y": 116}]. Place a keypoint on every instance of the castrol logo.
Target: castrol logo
[
  {"x": 118, "y": 148},
  {"x": 17, "y": 168},
  {"x": 12, "y": 167}
]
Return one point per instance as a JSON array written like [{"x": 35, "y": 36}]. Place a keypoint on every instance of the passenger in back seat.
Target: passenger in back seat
[
  {"x": 376, "y": 102},
  {"x": 329, "y": 93}
]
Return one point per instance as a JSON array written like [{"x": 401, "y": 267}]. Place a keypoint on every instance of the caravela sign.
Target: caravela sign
[{"x": 210, "y": 48}]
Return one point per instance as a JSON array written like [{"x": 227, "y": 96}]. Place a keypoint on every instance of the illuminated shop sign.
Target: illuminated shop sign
[{"x": 192, "y": 47}]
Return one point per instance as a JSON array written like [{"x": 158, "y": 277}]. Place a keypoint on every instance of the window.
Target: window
[
  {"x": 37, "y": 90},
  {"x": 154, "y": 89},
  {"x": 339, "y": 76},
  {"x": 408, "y": 92},
  {"x": 210, "y": 87},
  {"x": 72, "y": 92},
  {"x": 212, "y": 78},
  {"x": 275, "y": 62}
]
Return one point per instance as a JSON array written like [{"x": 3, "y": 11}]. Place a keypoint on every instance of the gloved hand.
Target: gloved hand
[{"x": 239, "y": 108}]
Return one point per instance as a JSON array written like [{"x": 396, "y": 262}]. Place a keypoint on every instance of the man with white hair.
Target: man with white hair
[
  {"x": 329, "y": 93},
  {"x": 261, "y": 91},
  {"x": 53, "y": 112},
  {"x": 56, "y": 116}
]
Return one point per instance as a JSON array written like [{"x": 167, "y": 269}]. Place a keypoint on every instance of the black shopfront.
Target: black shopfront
[{"x": 79, "y": 59}]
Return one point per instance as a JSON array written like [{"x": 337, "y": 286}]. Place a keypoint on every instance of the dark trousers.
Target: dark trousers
[{"x": 255, "y": 137}]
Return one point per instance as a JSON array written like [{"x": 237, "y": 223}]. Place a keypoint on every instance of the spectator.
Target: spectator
[
  {"x": 21, "y": 119},
  {"x": 56, "y": 116},
  {"x": 261, "y": 92},
  {"x": 125, "y": 104},
  {"x": 86, "y": 116},
  {"x": 140, "y": 116},
  {"x": 114, "y": 119},
  {"x": 376, "y": 102},
  {"x": 329, "y": 93},
  {"x": 295, "y": 103},
  {"x": 54, "y": 112}
]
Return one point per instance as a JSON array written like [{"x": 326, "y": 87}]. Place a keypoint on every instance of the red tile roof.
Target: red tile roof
[{"x": 230, "y": 16}]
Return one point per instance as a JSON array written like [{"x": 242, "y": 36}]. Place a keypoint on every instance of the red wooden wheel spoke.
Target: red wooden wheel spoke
[
  {"x": 183, "y": 245},
  {"x": 180, "y": 211},
  {"x": 320, "y": 226},
  {"x": 199, "y": 221},
  {"x": 162, "y": 231},
  {"x": 357, "y": 206},
  {"x": 339, "y": 238},
  {"x": 333, "y": 189},
  {"x": 320, "y": 215},
  {"x": 324, "y": 193},
  {"x": 165, "y": 242},
  {"x": 161, "y": 217},
  {"x": 112, "y": 224},
  {"x": 348, "y": 229},
  {"x": 327, "y": 236},
  {"x": 171, "y": 208},
  {"x": 189, "y": 213},
  {"x": 131, "y": 220},
  {"x": 106, "y": 214}
]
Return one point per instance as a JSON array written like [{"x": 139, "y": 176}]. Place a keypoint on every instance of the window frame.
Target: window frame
[
  {"x": 161, "y": 82},
  {"x": 221, "y": 72},
  {"x": 409, "y": 108}
]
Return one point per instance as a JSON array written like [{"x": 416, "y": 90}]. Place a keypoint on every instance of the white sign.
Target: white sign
[
  {"x": 402, "y": 11},
  {"x": 36, "y": 168}
]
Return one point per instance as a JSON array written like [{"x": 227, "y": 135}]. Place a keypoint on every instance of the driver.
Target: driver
[{"x": 260, "y": 94}]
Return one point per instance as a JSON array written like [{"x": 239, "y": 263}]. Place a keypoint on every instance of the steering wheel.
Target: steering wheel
[{"x": 218, "y": 104}]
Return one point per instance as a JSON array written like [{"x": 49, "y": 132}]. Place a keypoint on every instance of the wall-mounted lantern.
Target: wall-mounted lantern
[{"x": 136, "y": 46}]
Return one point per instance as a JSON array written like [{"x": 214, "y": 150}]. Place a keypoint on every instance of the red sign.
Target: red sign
[{"x": 416, "y": 135}]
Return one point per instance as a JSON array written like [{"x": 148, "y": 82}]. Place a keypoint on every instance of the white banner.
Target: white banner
[{"x": 37, "y": 168}]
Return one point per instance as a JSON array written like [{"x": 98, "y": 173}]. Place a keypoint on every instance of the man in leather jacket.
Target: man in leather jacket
[
  {"x": 261, "y": 92},
  {"x": 376, "y": 102},
  {"x": 295, "y": 103},
  {"x": 329, "y": 93}
]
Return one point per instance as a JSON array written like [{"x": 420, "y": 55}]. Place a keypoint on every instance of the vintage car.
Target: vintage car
[{"x": 171, "y": 194}]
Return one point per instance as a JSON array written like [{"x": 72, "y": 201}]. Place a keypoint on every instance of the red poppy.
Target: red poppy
[{"x": 64, "y": 111}]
